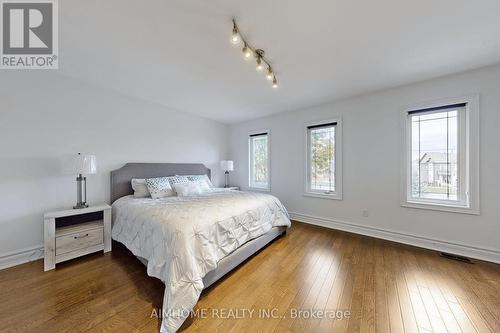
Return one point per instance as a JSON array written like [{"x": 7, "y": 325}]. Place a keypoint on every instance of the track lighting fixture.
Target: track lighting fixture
[{"x": 248, "y": 51}]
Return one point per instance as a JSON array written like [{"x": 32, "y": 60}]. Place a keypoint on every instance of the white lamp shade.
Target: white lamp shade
[
  {"x": 227, "y": 165},
  {"x": 80, "y": 164}
]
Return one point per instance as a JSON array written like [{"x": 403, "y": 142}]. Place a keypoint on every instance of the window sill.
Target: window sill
[
  {"x": 441, "y": 207},
  {"x": 323, "y": 196}
]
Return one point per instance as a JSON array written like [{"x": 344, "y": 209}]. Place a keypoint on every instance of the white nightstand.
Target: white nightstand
[{"x": 73, "y": 233}]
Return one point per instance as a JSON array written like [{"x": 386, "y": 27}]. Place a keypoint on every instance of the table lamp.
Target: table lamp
[
  {"x": 226, "y": 166},
  {"x": 81, "y": 165}
]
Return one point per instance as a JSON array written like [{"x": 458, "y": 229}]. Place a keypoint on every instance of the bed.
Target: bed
[{"x": 190, "y": 242}]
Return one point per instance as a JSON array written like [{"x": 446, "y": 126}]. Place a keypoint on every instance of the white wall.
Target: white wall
[
  {"x": 371, "y": 127},
  {"x": 44, "y": 116}
]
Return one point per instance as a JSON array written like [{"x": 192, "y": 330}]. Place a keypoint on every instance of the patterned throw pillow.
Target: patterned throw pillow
[
  {"x": 159, "y": 187},
  {"x": 201, "y": 179},
  {"x": 177, "y": 180}
]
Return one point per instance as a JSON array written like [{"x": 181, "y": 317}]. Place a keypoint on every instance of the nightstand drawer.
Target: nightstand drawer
[{"x": 76, "y": 241}]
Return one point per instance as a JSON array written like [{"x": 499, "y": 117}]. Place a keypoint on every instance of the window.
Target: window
[
  {"x": 259, "y": 160},
  {"x": 323, "y": 166},
  {"x": 440, "y": 158}
]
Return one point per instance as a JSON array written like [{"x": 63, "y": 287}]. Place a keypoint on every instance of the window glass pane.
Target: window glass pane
[
  {"x": 453, "y": 154},
  {"x": 259, "y": 161},
  {"x": 434, "y": 152},
  {"x": 322, "y": 159}
]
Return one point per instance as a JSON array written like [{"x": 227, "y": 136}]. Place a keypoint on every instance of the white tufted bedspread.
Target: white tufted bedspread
[{"x": 183, "y": 238}]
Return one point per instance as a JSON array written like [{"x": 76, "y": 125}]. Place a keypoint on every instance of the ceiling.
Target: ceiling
[{"x": 177, "y": 52}]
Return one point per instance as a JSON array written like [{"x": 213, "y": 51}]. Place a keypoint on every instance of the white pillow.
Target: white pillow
[
  {"x": 159, "y": 187},
  {"x": 201, "y": 179},
  {"x": 140, "y": 188},
  {"x": 187, "y": 189},
  {"x": 202, "y": 184}
]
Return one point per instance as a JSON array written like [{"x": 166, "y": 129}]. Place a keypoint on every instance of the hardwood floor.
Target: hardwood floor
[{"x": 387, "y": 287}]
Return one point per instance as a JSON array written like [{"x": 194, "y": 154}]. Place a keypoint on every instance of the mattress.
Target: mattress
[{"x": 184, "y": 238}]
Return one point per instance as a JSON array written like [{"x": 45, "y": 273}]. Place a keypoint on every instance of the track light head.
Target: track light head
[
  {"x": 259, "y": 53},
  {"x": 235, "y": 39},
  {"x": 247, "y": 52},
  {"x": 275, "y": 82},
  {"x": 269, "y": 74},
  {"x": 259, "y": 64}
]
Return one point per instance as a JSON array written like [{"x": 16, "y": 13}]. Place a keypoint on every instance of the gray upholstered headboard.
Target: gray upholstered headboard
[{"x": 120, "y": 178}]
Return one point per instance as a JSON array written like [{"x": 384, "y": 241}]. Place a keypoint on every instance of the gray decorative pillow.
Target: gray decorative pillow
[
  {"x": 159, "y": 187},
  {"x": 140, "y": 188}
]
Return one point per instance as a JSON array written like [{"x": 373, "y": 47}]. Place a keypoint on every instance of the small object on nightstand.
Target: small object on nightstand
[{"x": 73, "y": 233}]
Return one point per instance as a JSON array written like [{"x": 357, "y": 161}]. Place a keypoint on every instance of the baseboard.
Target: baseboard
[
  {"x": 35, "y": 253},
  {"x": 20, "y": 257},
  {"x": 424, "y": 242}
]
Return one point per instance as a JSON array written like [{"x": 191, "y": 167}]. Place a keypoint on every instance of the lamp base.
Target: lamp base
[
  {"x": 81, "y": 192},
  {"x": 80, "y": 205}
]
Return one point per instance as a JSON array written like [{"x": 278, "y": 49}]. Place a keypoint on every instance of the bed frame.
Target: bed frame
[{"x": 120, "y": 186}]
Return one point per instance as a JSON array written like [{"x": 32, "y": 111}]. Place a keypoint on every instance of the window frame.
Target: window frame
[
  {"x": 337, "y": 194},
  {"x": 252, "y": 186},
  {"x": 467, "y": 159}
]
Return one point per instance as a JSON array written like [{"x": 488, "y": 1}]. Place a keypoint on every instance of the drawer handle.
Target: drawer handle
[{"x": 81, "y": 236}]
